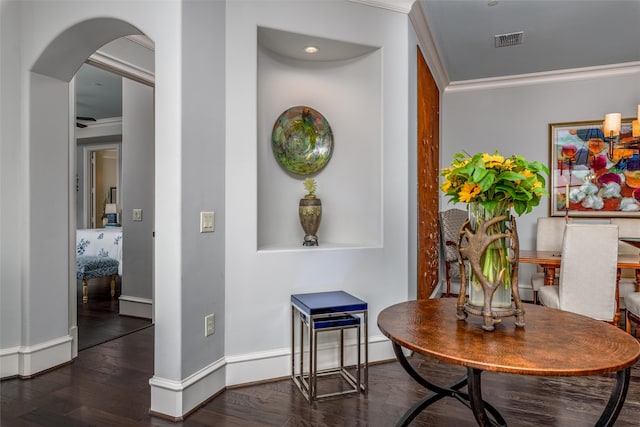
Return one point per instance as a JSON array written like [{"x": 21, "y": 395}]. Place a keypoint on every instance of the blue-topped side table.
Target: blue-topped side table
[{"x": 328, "y": 311}]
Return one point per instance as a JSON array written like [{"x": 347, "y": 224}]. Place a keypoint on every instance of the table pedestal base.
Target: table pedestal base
[{"x": 485, "y": 414}]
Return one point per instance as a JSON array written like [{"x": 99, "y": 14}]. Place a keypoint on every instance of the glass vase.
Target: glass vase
[{"x": 494, "y": 260}]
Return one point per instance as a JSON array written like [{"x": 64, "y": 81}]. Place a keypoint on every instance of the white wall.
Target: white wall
[
  {"x": 13, "y": 176},
  {"x": 197, "y": 163},
  {"x": 137, "y": 192},
  {"x": 203, "y": 187},
  {"x": 35, "y": 278},
  {"x": 46, "y": 285},
  {"x": 206, "y": 159},
  {"x": 412, "y": 169},
  {"x": 347, "y": 93},
  {"x": 514, "y": 119},
  {"x": 259, "y": 283}
]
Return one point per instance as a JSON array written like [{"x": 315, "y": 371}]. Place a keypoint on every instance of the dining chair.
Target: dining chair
[
  {"x": 451, "y": 222},
  {"x": 627, "y": 227},
  {"x": 549, "y": 232},
  {"x": 632, "y": 311},
  {"x": 587, "y": 282}
]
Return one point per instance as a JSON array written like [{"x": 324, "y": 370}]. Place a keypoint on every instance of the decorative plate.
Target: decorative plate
[{"x": 302, "y": 140}]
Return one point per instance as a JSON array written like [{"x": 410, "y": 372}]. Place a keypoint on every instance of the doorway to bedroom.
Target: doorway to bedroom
[{"x": 115, "y": 175}]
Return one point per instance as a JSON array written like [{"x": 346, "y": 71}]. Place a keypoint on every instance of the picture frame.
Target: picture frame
[{"x": 600, "y": 182}]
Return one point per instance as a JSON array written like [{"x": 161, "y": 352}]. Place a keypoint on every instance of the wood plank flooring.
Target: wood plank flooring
[
  {"x": 98, "y": 319},
  {"x": 107, "y": 385}
]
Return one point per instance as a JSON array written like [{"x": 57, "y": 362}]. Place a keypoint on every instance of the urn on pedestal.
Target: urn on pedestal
[{"x": 310, "y": 212}]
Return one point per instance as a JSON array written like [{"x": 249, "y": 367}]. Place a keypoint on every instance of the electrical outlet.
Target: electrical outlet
[{"x": 209, "y": 325}]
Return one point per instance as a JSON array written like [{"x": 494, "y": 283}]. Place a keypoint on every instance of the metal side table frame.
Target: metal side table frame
[{"x": 327, "y": 311}]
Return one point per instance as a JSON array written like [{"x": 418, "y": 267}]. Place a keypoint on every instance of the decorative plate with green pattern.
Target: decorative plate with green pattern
[{"x": 302, "y": 140}]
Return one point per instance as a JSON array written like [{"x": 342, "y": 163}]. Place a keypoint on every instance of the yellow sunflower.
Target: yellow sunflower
[{"x": 468, "y": 191}]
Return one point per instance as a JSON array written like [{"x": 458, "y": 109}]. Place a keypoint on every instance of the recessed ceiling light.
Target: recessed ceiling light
[{"x": 311, "y": 49}]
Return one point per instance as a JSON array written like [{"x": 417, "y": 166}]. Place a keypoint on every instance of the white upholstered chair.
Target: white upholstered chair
[
  {"x": 451, "y": 221},
  {"x": 627, "y": 227},
  {"x": 587, "y": 283},
  {"x": 632, "y": 311},
  {"x": 549, "y": 232}
]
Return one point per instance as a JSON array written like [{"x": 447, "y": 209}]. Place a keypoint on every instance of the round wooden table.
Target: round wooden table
[{"x": 553, "y": 343}]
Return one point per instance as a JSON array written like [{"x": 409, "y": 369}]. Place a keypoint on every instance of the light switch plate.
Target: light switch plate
[
  {"x": 207, "y": 222},
  {"x": 137, "y": 214},
  {"x": 209, "y": 325}
]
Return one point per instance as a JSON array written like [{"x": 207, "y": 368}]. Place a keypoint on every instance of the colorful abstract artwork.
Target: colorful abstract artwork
[{"x": 588, "y": 177}]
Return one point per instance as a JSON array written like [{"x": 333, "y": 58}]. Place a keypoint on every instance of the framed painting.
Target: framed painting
[{"x": 588, "y": 177}]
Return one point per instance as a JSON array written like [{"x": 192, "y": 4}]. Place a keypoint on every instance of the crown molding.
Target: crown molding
[
  {"x": 403, "y": 6},
  {"x": 118, "y": 66},
  {"x": 100, "y": 128},
  {"x": 417, "y": 17},
  {"x": 545, "y": 77},
  {"x": 427, "y": 42},
  {"x": 143, "y": 41}
]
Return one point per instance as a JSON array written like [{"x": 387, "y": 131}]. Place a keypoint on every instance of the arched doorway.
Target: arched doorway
[
  {"x": 51, "y": 145},
  {"x": 119, "y": 105}
]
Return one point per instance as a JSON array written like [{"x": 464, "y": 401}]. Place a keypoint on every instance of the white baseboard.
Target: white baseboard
[
  {"x": 259, "y": 366},
  {"x": 175, "y": 399},
  {"x": 263, "y": 366},
  {"x": 136, "y": 307},
  {"x": 26, "y": 361},
  {"x": 9, "y": 362},
  {"x": 73, "y": 333}
]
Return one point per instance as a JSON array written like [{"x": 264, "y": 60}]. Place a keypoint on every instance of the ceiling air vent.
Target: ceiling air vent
[{"x": 509, "y": 39}]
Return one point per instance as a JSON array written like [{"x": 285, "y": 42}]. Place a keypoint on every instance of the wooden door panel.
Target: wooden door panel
[{"x": 428, "y": 170}]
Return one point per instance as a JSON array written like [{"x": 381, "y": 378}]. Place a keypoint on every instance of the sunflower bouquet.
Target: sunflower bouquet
[
  {"x": 492, "y": 185},
  {"x": 495, "y": 182}
]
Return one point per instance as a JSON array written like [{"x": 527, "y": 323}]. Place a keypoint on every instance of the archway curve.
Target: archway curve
[
  {"x": 62, "y": 58},
  {"x": 51, "y": 156}
]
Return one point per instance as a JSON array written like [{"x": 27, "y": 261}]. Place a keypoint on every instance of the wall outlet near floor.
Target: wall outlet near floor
[{"x": 209, "y": 325}]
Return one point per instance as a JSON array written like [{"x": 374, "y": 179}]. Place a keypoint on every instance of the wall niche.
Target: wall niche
[{"x": 342, "y": 81}]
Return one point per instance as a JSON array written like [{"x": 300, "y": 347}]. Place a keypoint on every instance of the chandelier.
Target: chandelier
[{"x": 611, "y": 129}]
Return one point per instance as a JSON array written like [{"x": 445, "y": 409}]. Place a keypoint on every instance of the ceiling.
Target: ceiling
[
  {"x": 558, "y": 35},
  {"x": 98, "y": 93}
]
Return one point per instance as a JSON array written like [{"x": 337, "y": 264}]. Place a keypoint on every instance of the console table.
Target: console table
[{"x": 553, "y": 343}]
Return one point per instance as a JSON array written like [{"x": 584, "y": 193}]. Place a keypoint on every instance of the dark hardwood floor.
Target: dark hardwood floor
[
  {"x": 107, "y": 385},
  {"x": 98, "y": 319}
]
